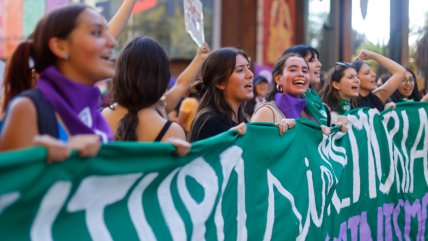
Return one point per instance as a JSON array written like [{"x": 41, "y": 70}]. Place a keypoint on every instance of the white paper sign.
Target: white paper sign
[{"x": 194, "y": 20}]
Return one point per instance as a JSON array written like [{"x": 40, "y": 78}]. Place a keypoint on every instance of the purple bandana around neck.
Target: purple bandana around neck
[
  {"x": 290, "y": 106},
  {"x": 76, "y": 104}
]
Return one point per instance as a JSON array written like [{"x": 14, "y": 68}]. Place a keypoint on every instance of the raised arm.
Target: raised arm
[
  {"x": 119, "y": 20},
  {"x": 397, "y": 74},
  {"x": 186, "y": 78}
]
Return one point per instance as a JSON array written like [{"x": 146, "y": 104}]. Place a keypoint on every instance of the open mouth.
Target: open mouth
[
  {"x": 249, "y": 86},
  {"x": 355, "y": 87},
  {"x": 299, "y": 82},
  {"x": 108, "y": 57}
]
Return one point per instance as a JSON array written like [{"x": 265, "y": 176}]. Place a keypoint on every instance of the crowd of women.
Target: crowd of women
[{"x": 50, "y": 98}]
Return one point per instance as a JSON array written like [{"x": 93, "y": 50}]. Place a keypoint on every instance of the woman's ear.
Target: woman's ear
[
  {"x": 335, "y": 85},
  {"x": 221, "y": 86},
  {"x": 276, "y": 79},
  {"x": 59, "y": 48}
]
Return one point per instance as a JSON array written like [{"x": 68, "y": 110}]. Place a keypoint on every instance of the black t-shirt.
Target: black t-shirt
[
  {"x": 371, "y": 100},
  {"x": 210, "y": 124}
]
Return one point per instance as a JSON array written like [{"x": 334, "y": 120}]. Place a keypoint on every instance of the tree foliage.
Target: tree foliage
[{"x": 421, "y": 52}]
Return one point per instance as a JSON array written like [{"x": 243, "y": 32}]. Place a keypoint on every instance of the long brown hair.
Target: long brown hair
[
  {"x": 216, "y": 69},
  {"x": 142, "y": 76}
]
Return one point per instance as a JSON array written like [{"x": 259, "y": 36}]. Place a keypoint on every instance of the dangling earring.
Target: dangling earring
[
  {"x": 279, "y": 88},
  {"x": 65, "y": 56},
  {"x": 34, "y": 76}
]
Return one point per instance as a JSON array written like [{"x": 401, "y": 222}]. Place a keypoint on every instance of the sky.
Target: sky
[{"x": 376, "y": 24}]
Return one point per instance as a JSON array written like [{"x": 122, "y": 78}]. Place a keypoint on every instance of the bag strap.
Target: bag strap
[{"x": 46, "y": 119}]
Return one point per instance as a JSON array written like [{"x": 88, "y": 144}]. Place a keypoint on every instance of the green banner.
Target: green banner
[{"x": 370, "y": 183}]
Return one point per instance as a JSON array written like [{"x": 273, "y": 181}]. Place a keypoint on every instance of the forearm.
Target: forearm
[
  {"x": 389, "y": 64},
  {"x": 191, "y": 72},
  {"x": 397, "y": 71},
  {"x": 184, "y": 80},
  {"x": 121, "y": 17},
  {"x": 173, "y": 96}
]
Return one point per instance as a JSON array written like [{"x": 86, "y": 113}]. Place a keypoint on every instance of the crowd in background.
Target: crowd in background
[{"x": 51, "y": 95}]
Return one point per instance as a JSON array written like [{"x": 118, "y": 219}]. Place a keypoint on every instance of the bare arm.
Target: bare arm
[
  {"x": 20, "y": 131},
  {"x": 119, "y": 20},
  {"x": 175, "y": 131},
  {"x": 20, "y": 127},
  {"x": 387, "y": 89},
  {"x": 186, "y": 78}
]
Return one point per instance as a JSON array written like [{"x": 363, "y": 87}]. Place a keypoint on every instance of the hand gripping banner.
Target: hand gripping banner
[{"x": 369, "y": 183}]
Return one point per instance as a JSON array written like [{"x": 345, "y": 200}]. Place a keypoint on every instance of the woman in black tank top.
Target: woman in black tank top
[{"x": 142, "y": 76}]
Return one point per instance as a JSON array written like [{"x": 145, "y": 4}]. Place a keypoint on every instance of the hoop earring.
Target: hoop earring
[{"x": 278, "y": 88}]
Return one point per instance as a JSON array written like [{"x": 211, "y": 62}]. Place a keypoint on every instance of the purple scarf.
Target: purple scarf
[
  {"x": 289, "y": 105},
  {"x": 76, "y": 104}
]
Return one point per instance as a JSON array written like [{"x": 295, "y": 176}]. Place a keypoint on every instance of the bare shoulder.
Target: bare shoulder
[
  {"x": 175, "y": 130},
  {"x": 263, "y": 114},
  {"x": 20, "y": 126},
  {"x": 22, "y": 107},
  {"x": 112, "y": 115}
]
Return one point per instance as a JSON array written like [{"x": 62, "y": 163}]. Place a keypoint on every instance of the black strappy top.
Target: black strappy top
[{"x": 163, "y": 131}]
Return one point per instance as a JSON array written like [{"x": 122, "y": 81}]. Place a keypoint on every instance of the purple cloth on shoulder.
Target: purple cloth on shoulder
[
  {"x": 290, "y": 106},
  {"x": 76, "y": 104}
]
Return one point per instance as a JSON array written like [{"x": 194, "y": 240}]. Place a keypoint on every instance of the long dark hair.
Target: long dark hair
[
  {"x": 357, "y": 64},
  {"x": 303, "y": 50},
  {"x": 415, "y": 93},
  {"x": 142, "y": 76},
  {"x": 216, "y": 69},
  {"x": 34, "y": 53}
]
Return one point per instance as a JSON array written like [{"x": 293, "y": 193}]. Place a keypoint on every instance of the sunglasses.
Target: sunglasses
[{"x": 341, "y": 65}]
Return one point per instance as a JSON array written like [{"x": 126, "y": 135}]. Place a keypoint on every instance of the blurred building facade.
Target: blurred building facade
[{"x": 263, "y": 28}]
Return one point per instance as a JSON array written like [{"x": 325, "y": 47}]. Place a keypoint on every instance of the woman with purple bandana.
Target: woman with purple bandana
[
  {"x": 285, "y": 103},
  {"x": 72, "y": 51},
  {"x": 20, "y": 79}
]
